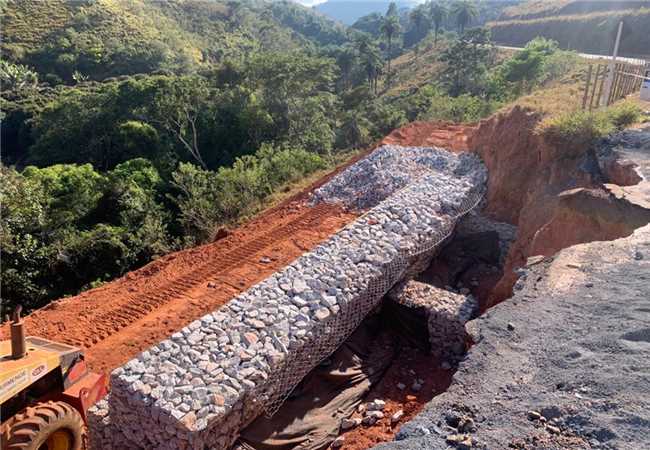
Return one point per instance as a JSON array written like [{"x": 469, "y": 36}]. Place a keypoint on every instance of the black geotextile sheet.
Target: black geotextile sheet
[{"x": 310, "y": 418}]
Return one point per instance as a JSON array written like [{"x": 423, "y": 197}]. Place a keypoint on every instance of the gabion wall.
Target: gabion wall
[
  {"x": 446, "y": 315},
  {"x": 198, "y": 388}
]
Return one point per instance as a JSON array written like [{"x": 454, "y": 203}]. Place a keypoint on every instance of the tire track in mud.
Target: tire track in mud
[{"x": 111, "y": 321}]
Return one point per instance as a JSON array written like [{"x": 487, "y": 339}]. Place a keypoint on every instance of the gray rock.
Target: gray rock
[{"x": 347, "y": 424}]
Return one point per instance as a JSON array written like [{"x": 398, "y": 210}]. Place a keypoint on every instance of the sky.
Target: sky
[{"x": 316, "y": 2}]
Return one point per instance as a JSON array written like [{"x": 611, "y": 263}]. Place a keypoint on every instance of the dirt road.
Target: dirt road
[{"x": 120, "y": 319}]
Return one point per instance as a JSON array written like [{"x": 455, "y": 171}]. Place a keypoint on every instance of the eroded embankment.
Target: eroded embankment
[
  {"x": 555, "y": 194},
  {"x": 562, "y": 363}
]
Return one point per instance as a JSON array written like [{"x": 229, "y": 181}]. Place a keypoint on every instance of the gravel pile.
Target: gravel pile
[
  {"x": 446, "y": 312},
  {"x": 385, "y": 171},
  {"x": 213, "y": 377}
]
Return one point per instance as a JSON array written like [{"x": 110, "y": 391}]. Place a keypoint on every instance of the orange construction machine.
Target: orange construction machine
[{"x": 45, "y": 392}]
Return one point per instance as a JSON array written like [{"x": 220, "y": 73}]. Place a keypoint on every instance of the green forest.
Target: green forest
[{"x": 132, "y": 128}]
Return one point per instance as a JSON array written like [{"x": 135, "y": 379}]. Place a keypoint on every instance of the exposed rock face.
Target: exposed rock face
[
  {"x": 583, "y": 215},
  {"x": 617, "y": 160}
]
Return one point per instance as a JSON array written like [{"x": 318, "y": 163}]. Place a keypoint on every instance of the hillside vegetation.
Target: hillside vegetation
[
  {"x": 535, "y": 9},
  {"x": 585, "y": 26},
  {"x": 95, "y": 39},
  {"x": 134, "y": 128}
]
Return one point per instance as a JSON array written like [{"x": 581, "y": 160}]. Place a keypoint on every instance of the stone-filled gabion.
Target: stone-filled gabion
[
  {"x": 198, "y": 388},
  {"x": 446, "y": 313},
  {"x": 385, "y": 171}
]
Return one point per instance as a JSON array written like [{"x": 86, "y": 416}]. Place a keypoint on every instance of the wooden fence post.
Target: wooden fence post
[
  {"x": 600, "y": 89},
  {"x": 584, "y": 97},
  {"x": 593, "y": 90},
  {"x": 617, "y": 85},
  {"x": 612, "y": 92},
  {"x": 625, "y": 78}
]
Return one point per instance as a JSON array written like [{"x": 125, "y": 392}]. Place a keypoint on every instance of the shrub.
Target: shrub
[
  {"x": 208, "y": 200},
  {"x": 623, "y": 114},
  {"x": 578, "y": 128},
  {"x": 288, "y": 164},
  {"x": 463, "y": 109},
  {"x": 557, "y": 65},
  {"x": 432, "y": 104},
  {"x": 584, "y": 128}
]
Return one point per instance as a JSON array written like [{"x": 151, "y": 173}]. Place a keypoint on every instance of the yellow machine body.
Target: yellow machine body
[{"x": 42, "y": 357}]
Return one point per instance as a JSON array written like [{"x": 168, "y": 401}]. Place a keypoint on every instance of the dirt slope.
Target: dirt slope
[{"x": 436, "y": 134}]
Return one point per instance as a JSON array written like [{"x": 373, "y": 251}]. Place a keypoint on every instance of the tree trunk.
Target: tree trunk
[{"x": 390, "y": 46}]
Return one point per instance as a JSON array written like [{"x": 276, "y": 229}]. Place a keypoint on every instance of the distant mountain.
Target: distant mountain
[
  {"x": 106, "y": 38},
  {"x": 348, "y": 11}
]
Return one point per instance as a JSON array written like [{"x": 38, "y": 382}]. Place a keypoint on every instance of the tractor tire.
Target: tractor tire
[{"x": 47, "y": 426}]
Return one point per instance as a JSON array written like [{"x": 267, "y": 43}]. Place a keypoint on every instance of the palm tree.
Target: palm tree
[
  {"x": 370, "y": 58},
  {"x": 345, "y": 61},
  {"x": 372, "y": 65},
  {"x": 392, "y": 10},
  {"x": 465, "y": 11},
  {"x": 390, "y": 27},
  {"x": 438, "y": 13},
  {"x": 418, "y": 19}
]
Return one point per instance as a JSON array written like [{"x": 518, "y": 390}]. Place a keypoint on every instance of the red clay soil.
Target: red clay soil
[
  {"x": 410, "y": 365},
  {"x": 438, "y": 134}
]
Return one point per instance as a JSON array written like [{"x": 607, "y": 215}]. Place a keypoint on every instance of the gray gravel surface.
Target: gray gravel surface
[
  {"x": 578, "y": 354},
  {"x": 385, "y": 171}
]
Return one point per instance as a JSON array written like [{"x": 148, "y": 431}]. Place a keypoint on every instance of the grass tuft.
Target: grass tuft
[
  {"x": 624, "y": 114},
  {"x": 576, "y": 129},
  {"x": 583, "y": 128}
]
